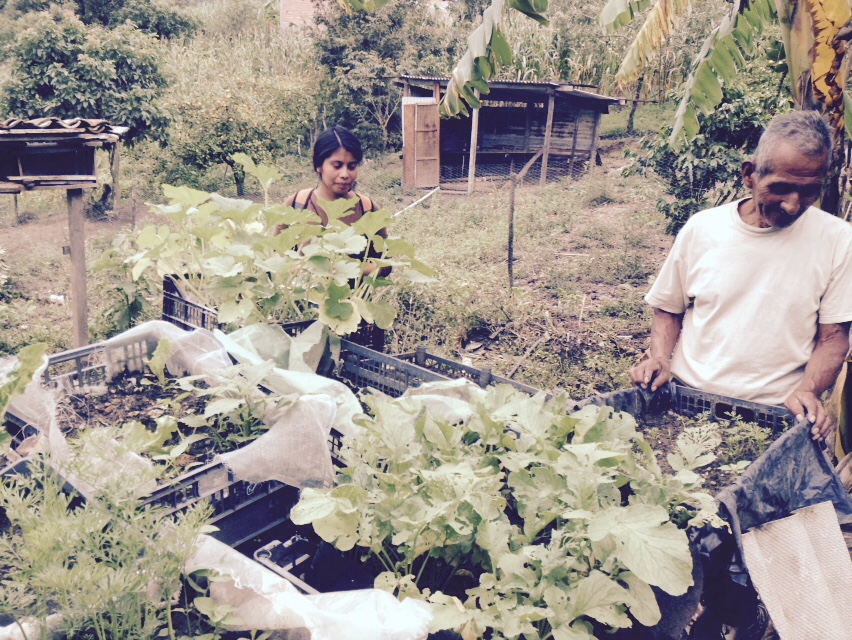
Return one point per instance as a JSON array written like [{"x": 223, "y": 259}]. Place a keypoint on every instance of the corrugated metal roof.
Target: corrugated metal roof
[
  {"x": 561, "y": 88},
  {"x": 505, "y": 81},
  {"x": 76, "y": 125}
]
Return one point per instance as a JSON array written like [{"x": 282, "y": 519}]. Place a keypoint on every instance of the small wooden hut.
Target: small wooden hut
[
  {"x": 518, "y": 120},
  {"x": 49, "y": 153}
]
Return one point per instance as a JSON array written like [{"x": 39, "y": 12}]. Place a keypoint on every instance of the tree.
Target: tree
[
  {"x": 151, "y": 16},
  {"x": 64, "y": 69},
  {"x": 365, "y": 52},
  {"x": 814, "y": 34},
  {"x": 706, "y": 173}
]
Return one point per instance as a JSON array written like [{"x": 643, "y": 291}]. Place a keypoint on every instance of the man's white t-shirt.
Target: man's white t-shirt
[{"x": 752, "y": 299}]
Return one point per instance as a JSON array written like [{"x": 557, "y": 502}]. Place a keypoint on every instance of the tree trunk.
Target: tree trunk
[{"x": 636, "y": 97}]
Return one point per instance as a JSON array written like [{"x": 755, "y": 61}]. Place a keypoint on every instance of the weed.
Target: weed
[{"x": 743, "y": 440}]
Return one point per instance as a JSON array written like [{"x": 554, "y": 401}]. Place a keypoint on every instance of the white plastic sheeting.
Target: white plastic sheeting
[{"x": 262, "y": 600}]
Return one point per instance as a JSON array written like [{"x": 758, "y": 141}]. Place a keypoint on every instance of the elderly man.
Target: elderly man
[{"x": 755, "y": 299}]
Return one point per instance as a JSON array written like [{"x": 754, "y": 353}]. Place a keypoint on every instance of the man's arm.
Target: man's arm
[
  {"x": 832, "y": 345},
  {"x": 656, "y": 370}
]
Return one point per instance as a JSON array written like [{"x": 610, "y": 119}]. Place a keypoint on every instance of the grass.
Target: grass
[
  {"x": 649, "y": 118},
  {"x": 575, "y": 318}
]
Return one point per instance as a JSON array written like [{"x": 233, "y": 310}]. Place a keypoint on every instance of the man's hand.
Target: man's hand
[
  {"x": 806, "y": 404},
  {"x": 832, "y": 345},
  {"x": 653, "y": 371}
]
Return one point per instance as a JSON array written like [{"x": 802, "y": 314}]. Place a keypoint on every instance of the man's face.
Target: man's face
[{"x": 791, "y": 184}]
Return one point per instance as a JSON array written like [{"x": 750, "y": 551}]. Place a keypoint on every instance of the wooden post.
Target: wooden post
[
  {"x": 474, "y": 139},
  {"x": 436, "y": 91},
  {"x": 116, "y": 179},
  {"x": 17, "y": 210},
  {"x": 545, "y": 152},
  {"x": 574, "y": 143},
  {"x": 594, "y": 152},
  {"x": 77, "y": 240}
]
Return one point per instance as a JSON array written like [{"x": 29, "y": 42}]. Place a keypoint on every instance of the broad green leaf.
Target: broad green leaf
[
  {"x": 598, "y": 596},
  {"x": 189, "y": 198},
  {"x": 526, "y": 7},
  {"x": 371, "y": 223},
  {"x": 618, "y": 13},
  {"x": 729, "y": 42},
  {"x": 313, "y": 504},
  {"x": 340, "y": 316},
  {"x": 139, "y": 267},
  {"x": 339, "y": 208},
  {"x": 448, "y": 612},
  {"x": 265, "y": 174},
  {"x": 579, "y": 630},
  {"x": 648, "y": 545},
  {"x": 643, "y": 603},
  {"x": 140, "y": 440},
  {"x": 230, "y": 204},
  {"x": 232, "y": 312},
  {"x": 383, "y": 314}
]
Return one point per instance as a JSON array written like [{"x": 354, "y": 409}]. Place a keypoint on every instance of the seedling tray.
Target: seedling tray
[
  {"x": 241, "y": 510},
  {"x": 393, "y": 375},
  {"x": 309, "y": 564},
  {"x": 689, "y": 402}
]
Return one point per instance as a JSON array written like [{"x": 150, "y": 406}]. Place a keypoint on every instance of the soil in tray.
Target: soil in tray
[
  {"x": 661, "y": 432},
  {"x": 139, "y": 397}
]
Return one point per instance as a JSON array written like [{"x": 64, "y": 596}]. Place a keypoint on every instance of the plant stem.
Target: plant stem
[
  {"x": 389, "y": 565},
  {"x": 423, "y": 566}
]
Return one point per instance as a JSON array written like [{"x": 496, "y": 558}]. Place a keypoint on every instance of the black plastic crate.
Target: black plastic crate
[
  {"x": 240, "y": 509},
  {"x": 184, "y": 313},
  {"x": 690, "y": 402},
  {"x": 311, "y": 565},
  {"x": 393, "y": 375},
  {"x": 15, "y": 461},
  {"x": 189, "y": 315}
]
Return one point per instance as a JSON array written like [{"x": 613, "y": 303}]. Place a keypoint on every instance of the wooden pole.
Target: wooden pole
[
  {"x": 116, "y": 177},
  {"x": 77, "y": 240},
  {"x": 574, "y": 144},
  {"x": 17, "y": 210},
  {"x": 474, "y": 139},
  {"x": 594, "y": 151},
  {"x": 510, "y": 257},
  {"x": 545, "y": 152}
]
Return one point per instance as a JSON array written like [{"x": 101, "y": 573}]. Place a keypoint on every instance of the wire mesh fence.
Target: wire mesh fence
[{"x": 496, "y": 170}]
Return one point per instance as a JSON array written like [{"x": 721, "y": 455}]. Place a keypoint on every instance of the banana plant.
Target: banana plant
[{"x": 812, "y": 31}]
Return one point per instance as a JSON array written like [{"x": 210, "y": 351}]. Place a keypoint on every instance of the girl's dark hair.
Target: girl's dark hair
[{"x": 333, "y": 139}]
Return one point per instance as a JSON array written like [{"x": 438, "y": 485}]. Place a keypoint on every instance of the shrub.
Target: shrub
[
  {"x": 62, "y": 68},
  {"x": 706, "y": 173}
]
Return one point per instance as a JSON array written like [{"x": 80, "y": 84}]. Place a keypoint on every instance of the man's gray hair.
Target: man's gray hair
[{"x": 804, "y": 130}]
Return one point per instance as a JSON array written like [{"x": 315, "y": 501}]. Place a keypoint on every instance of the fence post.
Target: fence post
[{"x": 474, "y": 140}]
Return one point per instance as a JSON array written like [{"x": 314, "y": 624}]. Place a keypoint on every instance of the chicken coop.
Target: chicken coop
[{"x": 554, "y": 122}]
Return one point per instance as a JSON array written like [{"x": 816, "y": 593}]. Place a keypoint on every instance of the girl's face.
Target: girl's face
[{"x": 339, "y": 172}]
